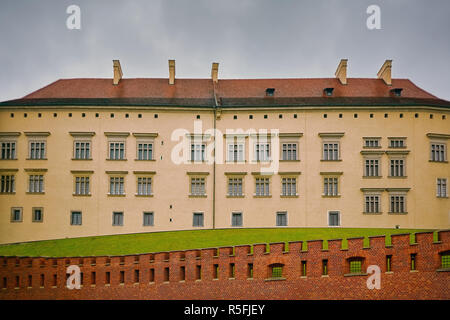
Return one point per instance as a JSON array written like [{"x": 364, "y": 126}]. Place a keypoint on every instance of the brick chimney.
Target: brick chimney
[
  {"x": 385, "y": 72},
  {"x": 215, "y": 72},
  {"x": 117, "y": 69},
  {"x": 341, "y": 71},
  {"x": 171, "y": 71}
]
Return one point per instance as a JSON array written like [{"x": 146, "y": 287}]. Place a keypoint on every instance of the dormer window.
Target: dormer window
[
  {"x": 270, "y": 92},
  {"x": 397, "y": 92},
  {"x": 328, "y": 91}
]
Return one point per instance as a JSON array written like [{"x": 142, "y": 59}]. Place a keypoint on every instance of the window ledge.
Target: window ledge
[
  {"x": 116, "y": 195},
  {"x": 230, "y": 196},
  {"x": 12, "y": 193},
  {"x": 262, "y": 196},
  {"x": 373, "y": 213},
  {"x": 9, "y": 159},
  {"x": 355, "y": 274},
  {"x": 397, "y": 177},
  {"x": 36, "y": 159},
  {"x": 398, "y": 213},
  {"x": 372, "y": 177},
  {"x": 275, "y": 279},
  {"x": 28, "y": 192},
  {"x": 438, "y": 161},
  {"x": 290, "y": 160},
  {"x": 235, "y": 161},
  {"x": 79, "y": 159},
  {"x": 144, "y": 159},
  {"x": 286, "y": 196},
  {"x": 446, "y": 197},
  {"x": 143, "y": 195},
  {"x": 198, "y": 196},
  {"x": 338, "y": 160},
  {"x": 81, "y": 195},
  {"x": 116, "y": 159},
  {"x": 331, "y": 196}
]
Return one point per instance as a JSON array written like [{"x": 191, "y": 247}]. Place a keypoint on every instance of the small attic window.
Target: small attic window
[
  {"x": 397, "y": 92},
  {"x": 328, "y": 91},
  {"x": 270, "y": 92}
]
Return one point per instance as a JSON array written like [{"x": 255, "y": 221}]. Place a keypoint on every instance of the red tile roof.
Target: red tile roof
[
  {"x": 241, "y": 88},
  {"x": 231, "y": 92}
]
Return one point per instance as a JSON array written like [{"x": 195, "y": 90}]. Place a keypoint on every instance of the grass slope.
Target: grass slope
[{"x": 183, "y": 240}]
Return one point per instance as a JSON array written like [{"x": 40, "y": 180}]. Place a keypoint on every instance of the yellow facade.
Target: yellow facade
[{"x": 171, "y": 203}]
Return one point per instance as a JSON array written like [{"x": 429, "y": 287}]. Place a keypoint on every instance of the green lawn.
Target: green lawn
[{"x": 182, "y": 240}]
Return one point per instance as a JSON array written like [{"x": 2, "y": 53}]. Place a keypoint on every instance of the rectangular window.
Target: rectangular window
[
  {"x": 413, "y": 261},
  {"x": 397, "y": 143},
  {"x": 445, "y": 260},
  {"x": 262, "y": 151},
  {"x": 235, "y": 187},
  {"x": 82, "y": 150},
  {"x": 8, "y": 150},
  {"x": 38, "y": 215},
  {"x": 75, "y": 218},
  {"x": 438, "y": 152},
  {"x": 441, "y": 188},
  {"x": 289, "y": 186},
  {"x": 281, "y": 219},
  {"x": 330, "y": 186},
  {"x": 372, "y": 168},
  {"x": 7, "y": 184},
  {"x": 397, "y": 203},
  {"x": 262, "y": 187},
  {"x": 145, "y": 151},
  {"x": 37, "y": 150},
  {"x": 236, "y": 152},
  {"x": 36, "y": 184},
  {"x": 324, "y": 267},
  {"x": 397, "y": 168},
  {"x": 277, "y": 271},
  {"x": 250, "y": 271},
  {"x": 16, "y": 214},
  {"x": 355, "y": 266},
  {"x": 82, "y": 186},
  {"x": 333, "y": 218},
  {"x": 198, "y": 186},
  {"x": 289, "y": 151},
  {"x": 330, "y": 151},
  {"x": 372, "y": 143},
  {"x": 116, "y": 186},
  {"x": 303, "y": 268},
  {"x": 198, "y": 152},
  {"x": 372, "y": 203},
  {"x": 144, "y": 186},
  {"x": 117, "y": 219},
  {"x": 388, "y": 263},
  {"x": 148, "y": 218},
  {"x": 197, "y": 219},
  {"x": 236, "y": 219},
  {"x": 116, "y": 150}
]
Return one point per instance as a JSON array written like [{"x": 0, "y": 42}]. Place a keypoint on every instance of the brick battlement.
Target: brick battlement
[{"x": 259, "y": 271}]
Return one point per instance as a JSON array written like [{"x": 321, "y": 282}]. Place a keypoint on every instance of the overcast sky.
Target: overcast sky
[{"x": 249, "y": 38}]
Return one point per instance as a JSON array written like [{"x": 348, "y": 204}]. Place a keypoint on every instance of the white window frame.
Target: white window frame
[
  {"x": 12, "y": 139},
  {"x": 233, "y": 214},
  {"x": 262, "y": 183},
  {"x": 442, "y": 187},
  {"x": 120, "y": 182},
  {"x": 289, "y": 180},
  {"x": 285, "y": 215},
  {"x": 339, "y": 218}
]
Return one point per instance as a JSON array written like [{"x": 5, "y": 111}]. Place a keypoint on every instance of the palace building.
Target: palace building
[{"x": 87, "y": 157}]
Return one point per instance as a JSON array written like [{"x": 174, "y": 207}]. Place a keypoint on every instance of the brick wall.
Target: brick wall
[{"x": 161, "y": 276}]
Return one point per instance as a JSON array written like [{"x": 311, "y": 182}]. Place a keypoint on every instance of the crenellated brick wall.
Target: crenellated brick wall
[{"x": 160, "y": 275}]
